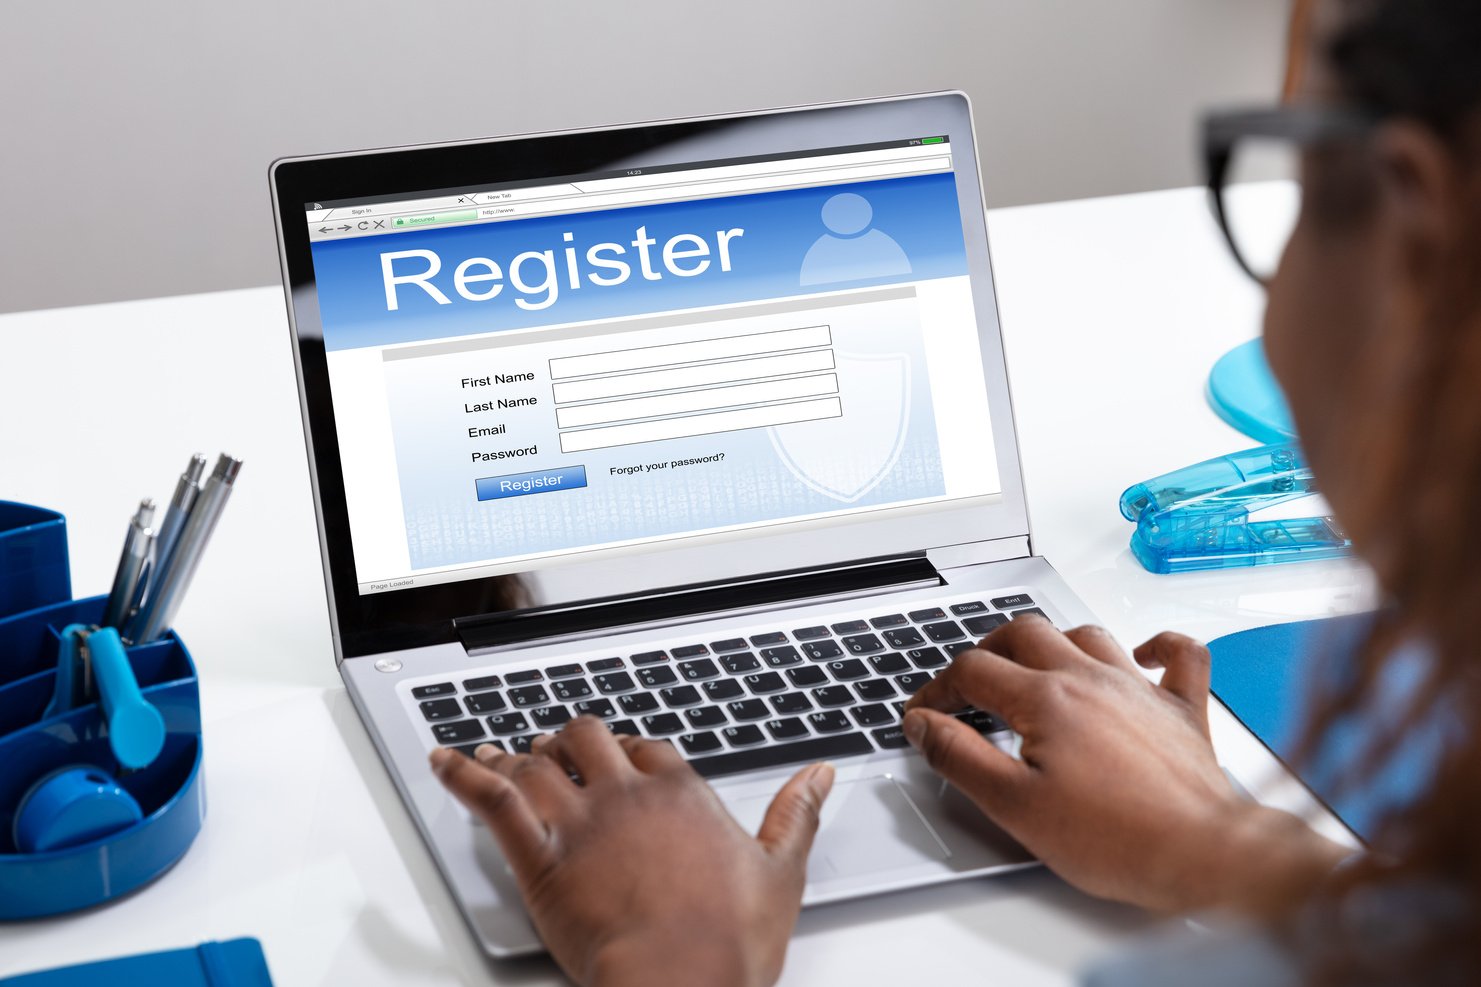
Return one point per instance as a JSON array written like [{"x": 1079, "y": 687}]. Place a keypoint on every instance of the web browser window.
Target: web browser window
[{"x": 526, "y": 372}]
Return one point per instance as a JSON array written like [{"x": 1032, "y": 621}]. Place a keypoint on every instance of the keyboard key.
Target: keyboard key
[
  {"x": 807, "y": 676},
  {"x": 563, "y": 671},
  {"x": 791, "y": 702},
  {"x": 441, "y": 709},
  {"x": 484, "y": 702},
  {"x": 662, "y": 724},
  {"x": 432, "y": 691},
  {"x": 863, "y": 644},
  {"x": 829, "y": 721},
  {"x": 833, "y": 695},
  {"x": 700, "y": 668},
  {"x": 482, "y": 682},
  {"x": 811, "y": 633},
  {"x": 748, "y": 709},
  {"x": 680, "y": 695},
  {"x": 890, "y": 664},
  {"x": 530, "y": 695},
  {"x": 603, "y": 664},
  {"x": 743, "y": 736},
  {"x": 690, "y": 651},
  {"x": 947, "y": 630},
  {"x": 550, "y": 717},
  {"x": 985, "y": 624},
  {"x": 781, "y": 657},
  {"x": 905, "y": 637},
  {"x": 570, "y": 690},
  {"x": 922, "y": 616},
  {"x": 704, "y": 717},
  {"x": 1016, "y": 600},
  {"x": 850, "y": 627},
  {"x": 848, "y": 668},
  {"x": 822, "y": 650},
  {"x": 740, "y": 664},
  {"x": 596, "y": 707},
  {"x": 911, "y": 682},
  {"x": 764, "y": 682},
  {"x": 774, "y": 755},
  {"x": 529, "y": 675},
  {"x": 624, "y": 726},
  {"x": 788, "y": 729},
  {"x": 467, "y": 749},
  {"x": 985, "y": 721},
  {"x": 614, "y": 682},
  {"x": 723, "y": 690},
  {"x": 926, "y": 657},
  {"x": 890, "y": 737},
  {"x": 507, "y": 723},
  {"x": 889, "y": 620},
  {"x": 874, "y": 690},
  {"x": 768, "y": 640},
  {"x": 650, "y": 657},
  {"x": 521, "y": 745},
  {"x": 1032, "y": 610},
  {"x": 955, "y": 649},
  {"x": 655, "y": 677},
  {"x": 457, "y": 733},
  {"x": 966, "y": 609},
  {"x": 899, "y": 707},
  {"x": 872, "y": 716},
  {"x": 638, "y": 702},
  {"x": 729, "y": 644},
  {"x": 700, "y": 743}
]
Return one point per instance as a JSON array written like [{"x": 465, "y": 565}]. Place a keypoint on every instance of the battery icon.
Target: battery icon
[{"x": 933, "y": 140}]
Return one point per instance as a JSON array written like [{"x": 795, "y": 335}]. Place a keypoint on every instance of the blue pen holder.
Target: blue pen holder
[{"x": 170, "y": 791}]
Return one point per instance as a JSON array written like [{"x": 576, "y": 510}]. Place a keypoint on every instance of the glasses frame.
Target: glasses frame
[{"x": 1304, "y": 126}]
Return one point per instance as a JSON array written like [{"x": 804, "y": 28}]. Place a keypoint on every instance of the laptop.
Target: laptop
[{"x": 698, "y": 427}]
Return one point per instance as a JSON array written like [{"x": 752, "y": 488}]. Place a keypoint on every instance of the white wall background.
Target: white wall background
[{"x": 135, "y": 137}]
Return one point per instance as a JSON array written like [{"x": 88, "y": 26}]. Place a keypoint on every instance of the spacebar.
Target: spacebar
[{"x": 817, "y": 749}]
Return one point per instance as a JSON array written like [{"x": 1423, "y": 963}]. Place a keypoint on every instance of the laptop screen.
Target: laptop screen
[{"x": 526, "y": 371}]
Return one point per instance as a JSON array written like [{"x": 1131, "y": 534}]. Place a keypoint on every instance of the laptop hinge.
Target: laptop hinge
[{"x": 655, "y": 608}]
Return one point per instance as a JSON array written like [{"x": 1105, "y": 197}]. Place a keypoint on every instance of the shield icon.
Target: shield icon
[{"x": 845, "y": 458}]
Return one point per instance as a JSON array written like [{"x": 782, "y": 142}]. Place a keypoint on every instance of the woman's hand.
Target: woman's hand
[
  {"x": 1117, "y": 789},
  {"x": 639, "y": 875}
]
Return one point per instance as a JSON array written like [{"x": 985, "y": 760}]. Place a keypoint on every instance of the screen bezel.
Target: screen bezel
[{"x": 379, "y": 622}]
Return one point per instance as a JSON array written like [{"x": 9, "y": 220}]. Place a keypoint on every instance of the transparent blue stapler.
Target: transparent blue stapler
[{"x": 1207, "y": 516}]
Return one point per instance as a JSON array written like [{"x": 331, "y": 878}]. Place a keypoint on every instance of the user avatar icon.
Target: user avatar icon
[{"x": 852, "y": 249}]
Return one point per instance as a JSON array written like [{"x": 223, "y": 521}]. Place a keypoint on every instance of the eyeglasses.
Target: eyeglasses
[{"x": 1253, "y": 162}]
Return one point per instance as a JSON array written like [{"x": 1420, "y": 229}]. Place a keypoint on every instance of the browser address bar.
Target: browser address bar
[{"x": 581, "y": 202}]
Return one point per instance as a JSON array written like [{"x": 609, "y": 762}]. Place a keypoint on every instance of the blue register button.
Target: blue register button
[{"x": 520, "y": 484}]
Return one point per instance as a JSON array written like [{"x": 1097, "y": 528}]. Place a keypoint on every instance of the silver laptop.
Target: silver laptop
[{"x": 699, "y": 427}]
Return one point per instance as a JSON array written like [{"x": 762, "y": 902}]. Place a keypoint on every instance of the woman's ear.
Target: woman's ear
[{"x": 1422, "y": 194}]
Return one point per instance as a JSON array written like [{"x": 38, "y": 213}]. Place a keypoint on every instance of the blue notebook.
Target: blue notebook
[
  {"x": 237, "y": 963},
  {"x": 1271, "y": 677}
]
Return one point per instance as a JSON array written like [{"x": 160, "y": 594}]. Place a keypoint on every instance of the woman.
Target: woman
[{"x": 1374, "y": 329}]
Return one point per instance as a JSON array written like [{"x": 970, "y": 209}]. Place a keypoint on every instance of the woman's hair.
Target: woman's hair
[{"x": 1420, "y": 61}]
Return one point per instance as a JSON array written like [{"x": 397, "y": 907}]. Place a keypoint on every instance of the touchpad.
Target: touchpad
[{"x": 868, "y": 825}]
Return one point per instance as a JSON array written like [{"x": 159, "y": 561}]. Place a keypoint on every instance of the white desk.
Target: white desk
[{"x": 1113, "y": 309}]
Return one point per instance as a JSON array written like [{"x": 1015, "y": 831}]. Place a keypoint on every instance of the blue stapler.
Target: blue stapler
[
  {"x": 93, "y": 667},
  {"x": 1206, "y": 516}
]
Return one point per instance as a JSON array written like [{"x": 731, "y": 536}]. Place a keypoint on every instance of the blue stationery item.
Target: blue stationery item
[
  {"x": 235, "y": 963},
  {"x": 1243, "y": 392},
  {"x": 1205, "y": 516},
  {"x": 68, "y": 837},
  {"x": 1271, "y": 678},
  {"x": 33, "y": 557}
]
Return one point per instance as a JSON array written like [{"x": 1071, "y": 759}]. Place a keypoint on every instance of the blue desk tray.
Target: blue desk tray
[
  {"x": 33, "y": 557},
  {"x": 170, "y": 791}
]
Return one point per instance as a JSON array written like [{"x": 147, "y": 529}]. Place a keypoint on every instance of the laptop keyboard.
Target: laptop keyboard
[{"x": 730, "y": 705}]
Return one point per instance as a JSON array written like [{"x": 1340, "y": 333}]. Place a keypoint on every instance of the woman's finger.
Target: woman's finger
[
  {"x": 1098, "y": 643},
  {"x": 1186, "y": 666},
  {"x": 651, "y": 756},
  {"x": 501, "y": 806},
  {"x": 586, "y": 747},
  {"x": 982, "y": 679},
  {"x": 1033, "y": 642}
]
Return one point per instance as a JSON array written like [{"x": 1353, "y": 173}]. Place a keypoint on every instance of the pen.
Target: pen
[
  {"x": 169, "y": 585},
  {"x": 129, "y": 578},
  {"x": 187, "y": 488}
]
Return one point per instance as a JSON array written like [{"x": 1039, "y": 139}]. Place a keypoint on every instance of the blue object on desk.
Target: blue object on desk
[
  {"x": 1205, "y": 516},
  {"x": 72, "y": 806},
  {"x": 235, "y": 963},
  {"x": 1271, "y": 679},
  {"x": 1243, "y": 392},
  {"x": 33, "y": 558}
]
